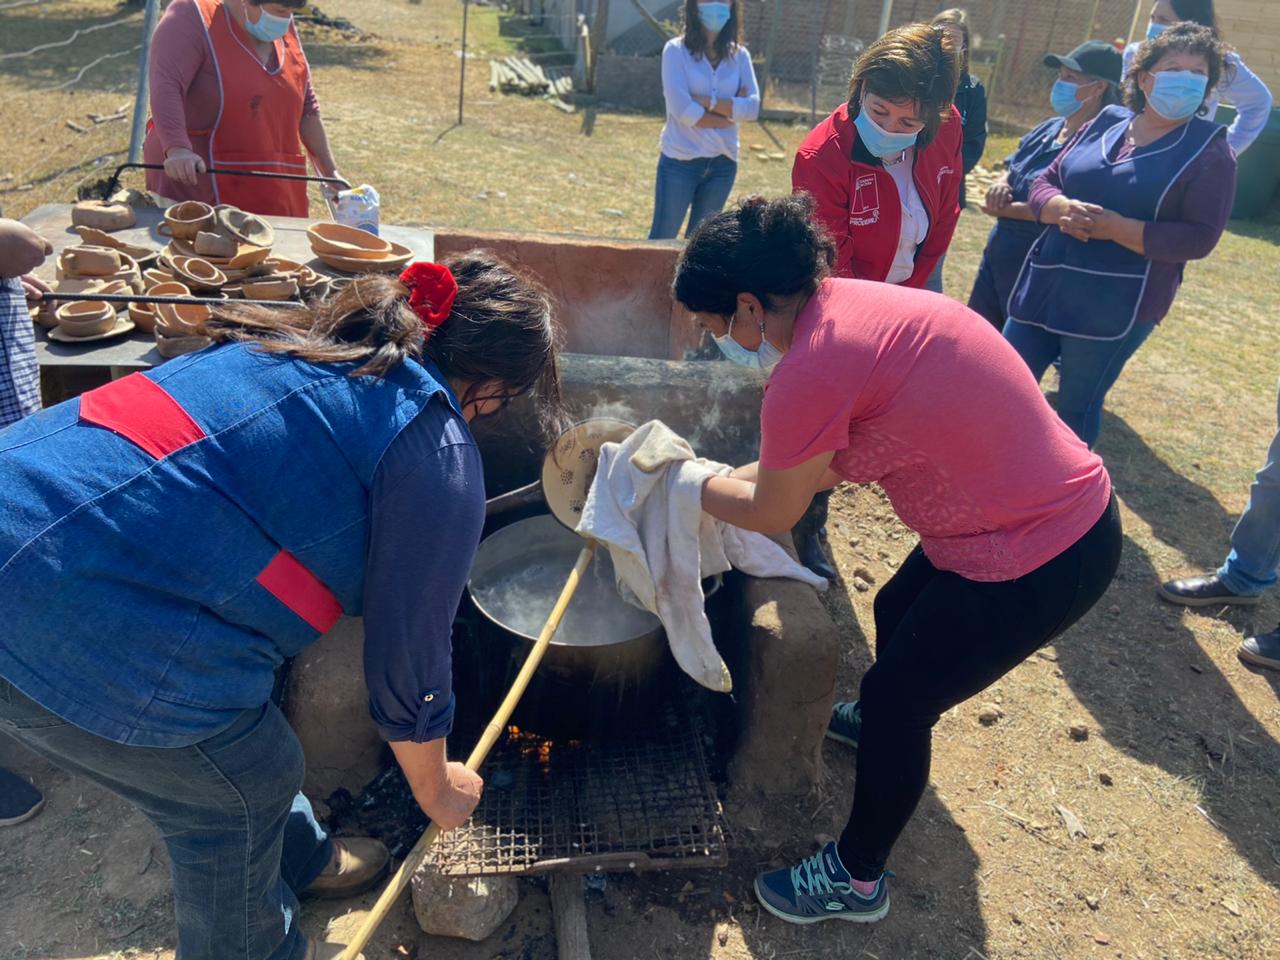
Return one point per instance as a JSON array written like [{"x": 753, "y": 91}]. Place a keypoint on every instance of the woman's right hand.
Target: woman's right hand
[
  {"x": 454, "y": 798},
  {"x": 998, "y": 197},
  {"x": 184, "y": 166}
]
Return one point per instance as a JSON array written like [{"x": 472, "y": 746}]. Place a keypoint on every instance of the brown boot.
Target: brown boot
[
  {"x": 358, "y": 864},
  {"x": 326, "y": 951}
]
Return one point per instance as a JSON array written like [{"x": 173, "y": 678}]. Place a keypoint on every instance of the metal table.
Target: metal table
[{"x": 68, "y": 369}]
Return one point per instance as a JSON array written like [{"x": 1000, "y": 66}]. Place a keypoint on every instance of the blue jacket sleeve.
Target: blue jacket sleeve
[{"x": 426, "y": 514}]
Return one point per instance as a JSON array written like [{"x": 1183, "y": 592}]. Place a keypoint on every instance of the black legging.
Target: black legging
[{"x": 940, "y": 639}]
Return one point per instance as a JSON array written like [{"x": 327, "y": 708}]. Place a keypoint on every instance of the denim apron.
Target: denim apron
[
  {"x": 1093, "y": 290},
  {"x": 171, "y": 537}
]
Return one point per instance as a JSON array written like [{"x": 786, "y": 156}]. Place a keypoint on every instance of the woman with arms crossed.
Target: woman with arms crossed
[{"x": 1019, "y": 533}]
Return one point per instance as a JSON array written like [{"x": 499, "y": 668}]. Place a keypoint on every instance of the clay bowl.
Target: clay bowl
[
  {"x": 93, "y": 237},
  {"x": 198, "y": 274},
  {"x": 279, "y": 265},
  {"x": 185, "y": 220},
  {"x": 143, "y": 316},
  {"x": 397, "y": 260},
  {"x": 244, "y": 227},
  {"x": 215, "y": 245},
  {"x": 171, "y": 343},
  {"x": 270, "y": 289},
  {"x": 86, "y": 318},
  {"x": 343, "y": 241},
  {"x": 155, "y": 275},
  {"x": 103, "y": 215},
  {"x": 248, "y": 256},
  {"x": 90, "y": 261},
  {"x": 185, "y": 320}
]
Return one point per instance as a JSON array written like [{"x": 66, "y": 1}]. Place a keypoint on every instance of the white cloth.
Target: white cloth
[
  {"x": 1240, "y": 87},
  {"x": 915, "y": 220},
  {"x": 645, "y": 505},
  {"x": 684, "y": 77}
]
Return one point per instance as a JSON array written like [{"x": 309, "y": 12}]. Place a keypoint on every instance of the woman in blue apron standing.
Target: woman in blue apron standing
[
  {"x": 1131, "y": 199},
  {"x": 170, "y": 538},
  {"x": 1088, "y": 80}
]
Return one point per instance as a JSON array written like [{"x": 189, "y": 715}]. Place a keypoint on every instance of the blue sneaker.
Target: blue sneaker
[
  {"x": 846, "y": 723},
  {"x": 820, "y": 889}
]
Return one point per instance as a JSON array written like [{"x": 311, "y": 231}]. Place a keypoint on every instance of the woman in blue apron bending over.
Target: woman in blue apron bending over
[
  {"x": 1131, "y": 199},
  {"x": 1088, "y": 80},
  {"x": 170, "y": 538}
]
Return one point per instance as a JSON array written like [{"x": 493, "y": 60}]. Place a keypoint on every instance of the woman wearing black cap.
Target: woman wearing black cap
[{"x": 1088, "y": 80}]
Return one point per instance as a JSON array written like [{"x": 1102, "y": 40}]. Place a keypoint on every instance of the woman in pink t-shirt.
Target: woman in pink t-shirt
[{"x": 870, "y": 382}]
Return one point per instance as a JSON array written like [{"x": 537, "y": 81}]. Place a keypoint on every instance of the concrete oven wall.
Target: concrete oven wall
[{"x": 613, "y": 297}]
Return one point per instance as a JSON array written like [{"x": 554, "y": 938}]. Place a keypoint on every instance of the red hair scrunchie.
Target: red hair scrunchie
[{"x": 432, "y": 290}]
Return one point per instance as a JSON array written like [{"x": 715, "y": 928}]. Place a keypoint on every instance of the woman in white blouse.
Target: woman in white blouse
[
  {"x": 710, "y": 88},
  {"x": 1240, "y": 87}
]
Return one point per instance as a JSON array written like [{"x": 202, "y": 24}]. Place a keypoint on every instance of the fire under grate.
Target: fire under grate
[{"x": 640, "y": 802}]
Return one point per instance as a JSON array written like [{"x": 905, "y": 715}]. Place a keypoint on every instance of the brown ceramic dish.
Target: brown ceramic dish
[
  {"x": 85, "y": 261},
  {"x": 344, "y": 241},
  {"x": 171, "y": 343},
  {"x": 184, "y": 319},
  {"x": 103, "y": 215},
  {"x": 85, "y": 318},
  {"x": 215, "y": 245},
  {"x": 397, "y": 260},
  {"x": 244, "y": 227},
  {"x": 184, "y": 220},
  {"x": 198, "y": 274},
  {"x": 272, "y": 289}
]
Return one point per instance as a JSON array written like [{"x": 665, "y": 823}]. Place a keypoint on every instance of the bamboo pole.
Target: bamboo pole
[{"x": 400, "y": 880}]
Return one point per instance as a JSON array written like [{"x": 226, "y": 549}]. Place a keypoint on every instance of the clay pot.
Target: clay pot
[
  {"x": 171, "y": 343},
  {"x": 271, "y": 289},
  {"x": 185, "y": 320},
  {"x": 198, "y": 274},
  {"x": 394, "y": 261},
  {"x": 91, "y": 261},
  {"x": 93, "y": 237},
  {"x": 102, "y": 215},
  {"x": 170, "y": 288},
  {"x": 155, "y": 275},
  {"x": 244, "y": 227},
  {"x": 143, "y": 316},
  {"x": 344, "y": 241},
  {"x": 186, "y": 220},
  {"x": 278, "y": 265},
  {"x": 86, "y": 318},
  {"x": 215, "y": 245}
]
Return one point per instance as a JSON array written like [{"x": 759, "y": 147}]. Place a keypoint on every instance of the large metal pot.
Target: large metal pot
[{"x": 608, "y": 657}]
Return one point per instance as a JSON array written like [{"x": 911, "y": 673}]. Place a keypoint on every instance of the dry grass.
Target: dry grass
[{"x": 1183, "y": 853}]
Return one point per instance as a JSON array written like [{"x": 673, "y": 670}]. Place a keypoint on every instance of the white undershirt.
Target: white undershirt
[{"x": 915, "y": 221}]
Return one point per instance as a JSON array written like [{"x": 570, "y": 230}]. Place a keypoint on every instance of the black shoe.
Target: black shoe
[
  {"x": 809, "y": 547},
  {"x": 1207, "y": 591},
  {"x": 1262, "y": 650},
  {"x": 19, "y": 800}
]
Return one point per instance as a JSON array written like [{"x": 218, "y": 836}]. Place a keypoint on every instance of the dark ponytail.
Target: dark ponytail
[
  {"x": 499, "y": 330},
  {"x": 769, "y": 248}
]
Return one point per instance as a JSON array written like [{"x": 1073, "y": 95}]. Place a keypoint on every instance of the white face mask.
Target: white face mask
[{"x": 765, "y": 357}]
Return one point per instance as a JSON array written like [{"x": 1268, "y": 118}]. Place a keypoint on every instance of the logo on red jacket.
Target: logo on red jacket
[
  {"x": 944, "y": 171},
  {"x": 864, "y": 210}
]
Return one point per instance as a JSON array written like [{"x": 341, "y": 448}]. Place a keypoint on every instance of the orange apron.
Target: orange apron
[{"x": 257, "y": 127}]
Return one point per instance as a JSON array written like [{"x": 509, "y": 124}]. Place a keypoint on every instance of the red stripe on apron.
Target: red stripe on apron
[
  {"x": 140, "y": 410},
  {"x": 301, "y": 591}
]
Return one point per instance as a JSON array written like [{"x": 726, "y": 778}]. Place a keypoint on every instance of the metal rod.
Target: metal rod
[
  {"x": 462, "y": 79},
  {"x": 183, "y": 301},
  {"x": 115, "y": 177},
  {"x": 1138, "y": 7},
  {"x": 886, "y": 13},
  {"x": 400, "y": 880},
  {"x": 141, "y": 104}
]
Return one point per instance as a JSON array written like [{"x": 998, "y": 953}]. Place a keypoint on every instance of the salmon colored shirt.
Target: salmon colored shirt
[{"x": 914, "y": 391}]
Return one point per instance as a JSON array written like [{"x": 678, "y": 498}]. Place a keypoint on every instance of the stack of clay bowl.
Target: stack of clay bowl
[
  {"x": 278, "y": 279},
  {"x": 179, "y": 328},
  {"x": 94, "y": 237},
  {"x": 228, "y": 240},
  {"x": 87, "y": 320},
  {"x": 351, "y": 250},
  {"x": 85, "y": 262},
  {"x": 145, "y": 315}
]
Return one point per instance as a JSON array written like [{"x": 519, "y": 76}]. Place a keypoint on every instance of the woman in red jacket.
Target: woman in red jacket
[{"x": 885, "y": 172}]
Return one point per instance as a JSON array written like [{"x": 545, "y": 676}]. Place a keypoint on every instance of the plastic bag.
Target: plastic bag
[{"x": 357, "y": 207}]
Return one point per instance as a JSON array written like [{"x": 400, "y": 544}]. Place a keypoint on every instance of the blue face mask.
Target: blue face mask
[
  {"x": 879, "y": 141},
  {"x": 1177, "y": 94},
  {"x": 1155, "y": 29},
  {"x": 269, "y": 27},
  {"x": 714, "y": 15},
  {"x": 765, "y": 357},
  {"x": 1063, "y": 98}
]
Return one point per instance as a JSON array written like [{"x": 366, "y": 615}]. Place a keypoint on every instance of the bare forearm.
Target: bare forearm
[
  {"x": 714, "y": 121},
  {"x": 424, "y": 767},
  {"x": 733, "y": 500},
  {"x": 1016, "y": 211},
  {"x": 316, "y": 140}
]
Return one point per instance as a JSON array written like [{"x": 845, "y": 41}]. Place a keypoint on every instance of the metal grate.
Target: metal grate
[{"x": 635, "y": 803}]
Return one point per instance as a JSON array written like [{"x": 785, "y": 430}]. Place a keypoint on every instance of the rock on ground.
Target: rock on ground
[{"x": 470, "y": 908}]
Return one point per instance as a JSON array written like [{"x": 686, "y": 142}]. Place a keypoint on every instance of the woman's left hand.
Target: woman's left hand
[{"x": 1106, "y": 224}]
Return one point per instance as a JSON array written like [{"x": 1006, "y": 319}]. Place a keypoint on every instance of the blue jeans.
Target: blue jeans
[
  {"x": 1088, "y": 369},
  {"x": 242, "y": 840},
  {"x": 934, "y": 282},
  {"x": 702, "y": 185},
  {"x": 1250, "y": 569}
]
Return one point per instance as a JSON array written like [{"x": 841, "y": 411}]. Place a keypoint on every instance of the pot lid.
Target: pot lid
[{"x": 570, "y": 465}]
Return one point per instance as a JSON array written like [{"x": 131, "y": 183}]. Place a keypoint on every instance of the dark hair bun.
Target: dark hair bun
[{"x": 769, "y": 248}]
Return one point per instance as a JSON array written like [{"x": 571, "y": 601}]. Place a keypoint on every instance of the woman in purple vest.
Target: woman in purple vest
[
  {"x": 1132, "y": 198},
  {"x": 170, "y": 538}
]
